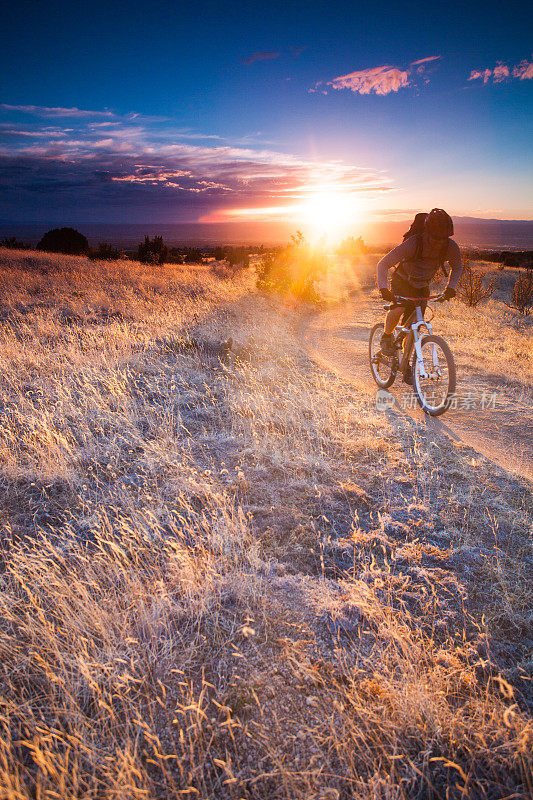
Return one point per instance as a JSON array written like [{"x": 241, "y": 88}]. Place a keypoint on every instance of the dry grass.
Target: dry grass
[
  {"x": 499, "y": 341},
  {"x": 230, "y": 579}
]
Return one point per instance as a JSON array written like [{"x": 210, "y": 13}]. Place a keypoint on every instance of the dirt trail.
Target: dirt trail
[{"x": 502, "y": 432}]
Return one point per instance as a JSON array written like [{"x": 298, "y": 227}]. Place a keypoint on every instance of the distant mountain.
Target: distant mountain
[{"x": 502, "y": 234}]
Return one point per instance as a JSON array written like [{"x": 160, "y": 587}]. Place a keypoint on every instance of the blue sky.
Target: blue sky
[{"x": 140, "y": 112}]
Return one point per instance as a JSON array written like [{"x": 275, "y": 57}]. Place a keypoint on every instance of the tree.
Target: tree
[
  {"x": 471, "y": 288},
  {"x": 64, "y": 240}
]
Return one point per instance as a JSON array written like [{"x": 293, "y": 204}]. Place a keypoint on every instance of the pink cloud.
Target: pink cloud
[
  {"x": 484, "y": 75},
  {"x": 378, "y": 80},
  {"x": 424, "y": 60},
  {"x": 501, "y": 72},
  {"x": 260, "y": 57},
  {"x": 524, "y": 70}
]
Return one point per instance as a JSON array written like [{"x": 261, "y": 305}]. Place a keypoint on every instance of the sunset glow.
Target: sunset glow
[
  {"x": 331, "y": 214},
  {"x": 327, "y": 123},
  {"x": 322, "y": 214}
]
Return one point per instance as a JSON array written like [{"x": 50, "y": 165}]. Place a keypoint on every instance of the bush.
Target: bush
[
  {"x": 292, "y": 271},
  {"x": 105, "y": 252},
  {"x": 237, "y": 257},
  {"x": 523, "y": 258},
  {"x": 174, "y": 256},
  {"x": 152, "y": 251},
  {"x": 352, "y": 247},
  {"x": 471, "y": 288},
  {"x": 64, "y": 240},
  {"x": 13, "y": 244},
  {"x": 192, "y": 255},
  {"x": 521, "y": 299}
]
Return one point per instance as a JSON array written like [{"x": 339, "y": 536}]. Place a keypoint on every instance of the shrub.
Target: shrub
[
  {"x": 523, "y": 258},
  {"x": 352, "y": 247},
  {"x": 174, "y": 256},
  {"x": 105, "y": 252},
  {"x": 471, "y": 288},
  {"x": 292, "y": 271},
  {"x": 152, "y": 251},
  {"x": 64, "y": 240},
  {"x": 192, "y": 255},
  {"x": 521, "y": 299},
  {"x": 237, "y": 257},
  {"x": 13, "y": 244}
]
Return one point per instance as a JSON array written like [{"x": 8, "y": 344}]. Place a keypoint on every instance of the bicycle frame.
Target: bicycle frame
[{"x": 411, "y": 330}]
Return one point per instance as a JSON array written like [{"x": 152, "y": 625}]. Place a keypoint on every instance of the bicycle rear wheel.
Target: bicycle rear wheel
[
  {"x": 382, "y": 367},
  {"x": 435, "y": 389}
]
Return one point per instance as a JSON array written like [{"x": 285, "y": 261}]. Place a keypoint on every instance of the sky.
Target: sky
[{"x": 328, "y": 113}]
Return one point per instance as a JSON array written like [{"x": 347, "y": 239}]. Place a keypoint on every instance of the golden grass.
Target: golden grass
[{"x": 231, "y": 579}]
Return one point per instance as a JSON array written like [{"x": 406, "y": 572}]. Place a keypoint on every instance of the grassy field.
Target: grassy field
[{"x": 232, "y": 577}]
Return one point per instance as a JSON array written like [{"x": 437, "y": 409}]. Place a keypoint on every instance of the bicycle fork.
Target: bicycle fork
[{"x": 414, "y": 339}]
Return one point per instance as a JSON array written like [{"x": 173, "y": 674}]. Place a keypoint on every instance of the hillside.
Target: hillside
[{"x": 227, "y": 575}]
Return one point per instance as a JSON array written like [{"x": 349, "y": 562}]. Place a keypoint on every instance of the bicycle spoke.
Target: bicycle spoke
[
  {"x": 434, "y": 386},
  {"x": 383, "y": 367}
]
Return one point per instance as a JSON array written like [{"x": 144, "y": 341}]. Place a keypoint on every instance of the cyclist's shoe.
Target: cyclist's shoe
[
  {"x": 408, "y": 376},
  {"x": 387, "y": 344}
]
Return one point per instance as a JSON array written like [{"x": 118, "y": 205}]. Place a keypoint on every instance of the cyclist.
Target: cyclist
[{"x": 417, "y": 259}]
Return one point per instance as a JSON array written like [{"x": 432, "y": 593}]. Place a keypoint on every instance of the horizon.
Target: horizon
[
  {"x": 329, "y": 122},
  {"x": 485, "y": 234}
]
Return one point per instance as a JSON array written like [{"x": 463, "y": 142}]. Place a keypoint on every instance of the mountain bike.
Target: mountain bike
[{"x": 433, "y": 367}]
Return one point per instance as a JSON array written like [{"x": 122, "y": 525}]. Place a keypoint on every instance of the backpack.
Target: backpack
[{"x": 417, "y": 229}]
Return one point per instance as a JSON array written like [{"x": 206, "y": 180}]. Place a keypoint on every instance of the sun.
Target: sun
[{"x": 330, "y": 215}]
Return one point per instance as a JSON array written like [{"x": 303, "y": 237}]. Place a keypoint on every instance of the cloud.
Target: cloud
[
  {"x": 33, "y": 134},
  {"x": 378, "y": 80},
  {"x": 108, "y": 171},
  {"x": 55, "y": 111},
  {"x": 502, "y": 72},
  {"x": 260, "y": 57},
  {"x": 424, "y": 60},
  {"x": 484, "y": 75},
  {"x": 524, "y": 70}
]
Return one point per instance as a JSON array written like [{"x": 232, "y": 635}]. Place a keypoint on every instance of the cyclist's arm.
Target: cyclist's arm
[
  {"x": 454, "y": 260},
  {"x": 404, "y": 250}
]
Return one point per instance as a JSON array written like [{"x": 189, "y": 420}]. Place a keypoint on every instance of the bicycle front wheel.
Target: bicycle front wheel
[
  {"x": 435, "y": 388},
  {"x": 382, "y": 367}
]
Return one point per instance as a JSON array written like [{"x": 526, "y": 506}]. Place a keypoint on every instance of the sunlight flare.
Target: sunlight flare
[
  {"x": 331, "y": 214},
  {"x": 323, "y": 214}
]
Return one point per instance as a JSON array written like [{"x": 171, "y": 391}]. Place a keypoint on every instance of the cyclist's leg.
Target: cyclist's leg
[
  {"x": 392, "y": 319},
  {"x": 399, "y": 287}
]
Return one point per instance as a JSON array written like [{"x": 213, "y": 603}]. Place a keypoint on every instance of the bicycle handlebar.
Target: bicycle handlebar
[
  {"x": 395, "y": 304},
  {"x": 430, "y": 297}
]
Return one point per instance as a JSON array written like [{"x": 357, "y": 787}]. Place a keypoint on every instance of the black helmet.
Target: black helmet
[{"x": 438, "y": 223}]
